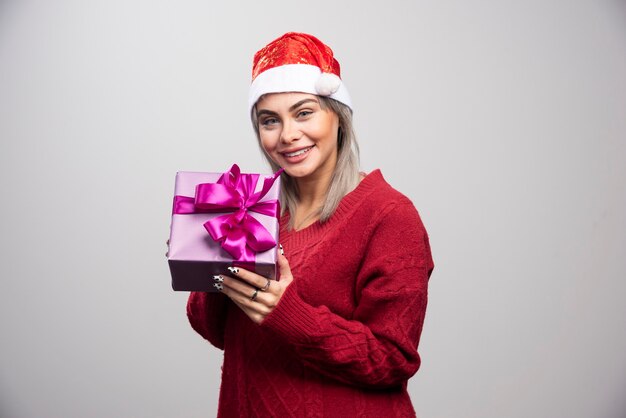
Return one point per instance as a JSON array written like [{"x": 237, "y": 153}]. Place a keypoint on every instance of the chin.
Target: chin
[{"x": 297, "y": 172}]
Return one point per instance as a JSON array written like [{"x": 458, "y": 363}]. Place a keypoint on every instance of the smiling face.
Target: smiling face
[{"x": 298, "y": 134}]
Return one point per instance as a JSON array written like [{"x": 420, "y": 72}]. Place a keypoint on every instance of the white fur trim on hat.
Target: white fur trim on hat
[{"x": 302, "y": 78}]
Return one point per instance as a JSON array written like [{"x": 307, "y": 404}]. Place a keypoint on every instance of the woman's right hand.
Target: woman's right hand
[{"x": 256, "y": 295}]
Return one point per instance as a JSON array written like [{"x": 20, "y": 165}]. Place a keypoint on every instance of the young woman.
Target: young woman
[{"x": 337, "y": 335}]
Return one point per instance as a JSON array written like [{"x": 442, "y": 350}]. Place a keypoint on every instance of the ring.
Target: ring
[
  {"x": 253, "y": 297},
  {"x": 267, "y": 286}
]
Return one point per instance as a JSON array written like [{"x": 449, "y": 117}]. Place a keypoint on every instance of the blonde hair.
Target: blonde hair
[{"x": 345, "y": 177}]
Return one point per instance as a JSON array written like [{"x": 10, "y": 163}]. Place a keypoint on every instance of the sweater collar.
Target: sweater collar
[{"x": 348, "y": 204}]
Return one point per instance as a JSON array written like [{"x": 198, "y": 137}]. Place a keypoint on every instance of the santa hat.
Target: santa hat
[{"x": 297, "y": 62}]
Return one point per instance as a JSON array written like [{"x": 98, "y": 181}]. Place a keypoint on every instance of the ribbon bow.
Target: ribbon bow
[{"x": 240, "y": 234}]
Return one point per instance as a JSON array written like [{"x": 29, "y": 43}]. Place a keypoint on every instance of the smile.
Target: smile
[{"x": 297, "y": 153}]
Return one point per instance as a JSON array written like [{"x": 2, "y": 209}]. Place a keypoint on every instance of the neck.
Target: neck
[{"x": 312, "y": 193}]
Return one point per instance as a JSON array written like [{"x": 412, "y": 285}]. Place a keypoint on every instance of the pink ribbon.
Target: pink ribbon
[{"x": 237, "y": 231}]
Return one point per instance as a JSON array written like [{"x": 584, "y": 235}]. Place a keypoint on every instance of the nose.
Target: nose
[{"x": 290, "y": 132}]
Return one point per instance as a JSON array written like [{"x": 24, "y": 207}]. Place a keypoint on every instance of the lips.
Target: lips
[{"x": 297, "y": 153}]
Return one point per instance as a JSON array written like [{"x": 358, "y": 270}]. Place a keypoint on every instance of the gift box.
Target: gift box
[{"x": 221, "y": 220}]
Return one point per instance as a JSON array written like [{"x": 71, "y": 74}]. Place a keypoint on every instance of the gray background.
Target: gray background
[{"x": 504, "y": 121}]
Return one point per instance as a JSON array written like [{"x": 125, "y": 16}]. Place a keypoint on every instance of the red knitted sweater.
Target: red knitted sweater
[{"x": 342, "y": 341}]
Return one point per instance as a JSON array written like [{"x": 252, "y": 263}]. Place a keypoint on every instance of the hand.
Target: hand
[{"x": 267, "y": 293}]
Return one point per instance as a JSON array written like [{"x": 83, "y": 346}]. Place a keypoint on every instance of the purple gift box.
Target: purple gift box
[{"x": 221, "y": 220}]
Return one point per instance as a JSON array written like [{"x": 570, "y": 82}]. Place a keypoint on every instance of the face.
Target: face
[{"x": 298, "y": 134}]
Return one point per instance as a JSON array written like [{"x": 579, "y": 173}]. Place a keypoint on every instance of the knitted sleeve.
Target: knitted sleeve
[
  {"x": 377, "y": 347},
  {"x": 207, "y": 316}
]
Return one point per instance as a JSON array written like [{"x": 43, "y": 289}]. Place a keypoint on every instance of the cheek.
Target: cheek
[
  {"x": 328, "y": 129},
  {"x": 269, "y": 146},
  {"x": 267, "y": 142},
  {"x": 328, "y": 136}
]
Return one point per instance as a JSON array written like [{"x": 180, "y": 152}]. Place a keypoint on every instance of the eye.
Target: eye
[
  {"x": 269, "y": 121},
  {"x": 304, "y": 113}
]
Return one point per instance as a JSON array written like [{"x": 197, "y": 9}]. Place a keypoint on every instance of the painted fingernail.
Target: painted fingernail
[
  {"x": 218, "y": 279},
  {"x": 280, "y": 247},
  {"x": 233, "y": 270},
  {"x": 218, "y": 286}
]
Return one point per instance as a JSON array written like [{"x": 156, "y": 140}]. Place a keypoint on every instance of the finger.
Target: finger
[
  {"x": 232, "y": 289},
  {"x": 249, "y": 277},
  {"x": 241, "y": 297},
  {"x": 237, "y": 286}
]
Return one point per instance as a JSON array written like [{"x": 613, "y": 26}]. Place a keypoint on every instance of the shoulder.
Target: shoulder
[
  {"x": 395, "y": 236},
  {"x": 385, "y": 200},
  {"x": 383, "y": 190}
]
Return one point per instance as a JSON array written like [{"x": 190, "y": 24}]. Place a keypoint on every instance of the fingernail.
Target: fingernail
[
  {"x": 233, "y": 270},
  {"x": 218, "y": 279},
  {"x": 280, "y": 247},
  {"x": 218, "y": 286}
]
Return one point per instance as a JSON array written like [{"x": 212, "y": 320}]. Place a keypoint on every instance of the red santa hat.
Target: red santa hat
[{"x": 297, "y": 62}]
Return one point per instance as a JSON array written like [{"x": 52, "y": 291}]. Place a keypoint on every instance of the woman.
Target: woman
[{"x": 337, "y": 335}]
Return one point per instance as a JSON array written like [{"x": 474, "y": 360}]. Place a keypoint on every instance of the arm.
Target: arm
[
  {"x": 378, "y": 346},
  {"x": 207, "y": 316}
]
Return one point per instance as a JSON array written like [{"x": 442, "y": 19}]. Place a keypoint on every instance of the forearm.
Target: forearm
[{"x": 363, "y": 351}]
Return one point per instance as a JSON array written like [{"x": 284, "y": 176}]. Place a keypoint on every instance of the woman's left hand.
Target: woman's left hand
[{"x": 256, "y": 295}]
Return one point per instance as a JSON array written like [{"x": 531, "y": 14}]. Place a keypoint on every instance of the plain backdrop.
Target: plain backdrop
[{"x": 503, "y": 121}]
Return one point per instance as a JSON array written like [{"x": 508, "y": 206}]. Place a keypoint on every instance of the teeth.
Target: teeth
[{"x": 295, "y": 154}]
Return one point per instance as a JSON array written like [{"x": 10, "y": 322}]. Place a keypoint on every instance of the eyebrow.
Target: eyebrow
[
  {"x": 300, "y": 103},
  {"x": 291, "y": 108}
]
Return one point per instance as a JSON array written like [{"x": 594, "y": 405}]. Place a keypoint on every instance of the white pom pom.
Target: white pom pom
[{"x": 327, "y": 84}]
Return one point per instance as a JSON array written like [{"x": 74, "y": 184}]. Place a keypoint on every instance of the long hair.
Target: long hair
[{"x": 345, "y": 177}]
